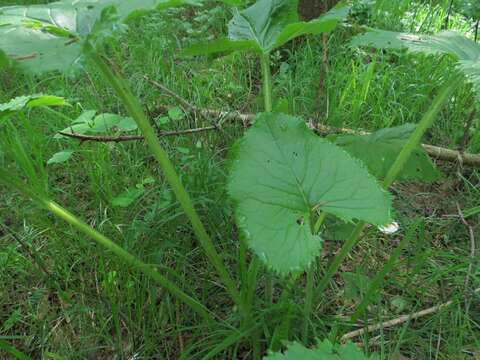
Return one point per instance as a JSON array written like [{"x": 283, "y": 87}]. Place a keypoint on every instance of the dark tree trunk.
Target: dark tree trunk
[{"x": 311, "y": 9}]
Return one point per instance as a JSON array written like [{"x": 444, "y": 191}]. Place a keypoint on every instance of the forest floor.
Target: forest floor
[{"x": 62, "y": 297}]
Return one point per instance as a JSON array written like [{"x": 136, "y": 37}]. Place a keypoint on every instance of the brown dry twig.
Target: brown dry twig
[{"x": 400, "y": 320}]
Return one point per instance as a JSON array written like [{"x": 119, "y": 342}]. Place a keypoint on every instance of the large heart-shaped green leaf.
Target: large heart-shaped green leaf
[
  {"x": 267, "y": 25},
  {"x": 464, "y": 50},
  {"x": 282, "y": 173},
  {"x": 324, "y": 351},
  {"x": 379, "y": 150},
  {"x": 50, "y": 36}
]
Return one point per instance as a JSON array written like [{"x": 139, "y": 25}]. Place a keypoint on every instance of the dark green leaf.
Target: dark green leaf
[
  {"x": 281, "y": 173},
  {"x": 380, "y": 149},
  {"x": 267, "y": 25},
  {"x": 324, "y": 351}
]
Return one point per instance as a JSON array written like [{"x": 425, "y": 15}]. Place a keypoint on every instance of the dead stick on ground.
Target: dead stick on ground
[
  {"x": 400, "y": 320},
  {"x": 123, "y": 138},
  {"x": 435, "y": 152}
]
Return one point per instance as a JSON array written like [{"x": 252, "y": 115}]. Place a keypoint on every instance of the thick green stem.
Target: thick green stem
[
  {"x": 392, "y": 174},
  {"x": 267, "y": 82},
  {"x": 135, "y": 110},
  {"x": 420, "y": 130},
  {"x": 267, "y": 97},
  {"x": 105, "y": 242}
]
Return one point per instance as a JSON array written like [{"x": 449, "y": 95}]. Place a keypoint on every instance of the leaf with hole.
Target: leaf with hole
[
  {"x": 282, "y": 173},
  {"x": 267, "y": 25},
  {"x": 380, "y": 149}
]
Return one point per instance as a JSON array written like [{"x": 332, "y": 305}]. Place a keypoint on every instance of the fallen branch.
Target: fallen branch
[
  {"x": 123, "y": 138},
  {"x": 400, "y": 320},
  {"x": 435, "y": 152}
]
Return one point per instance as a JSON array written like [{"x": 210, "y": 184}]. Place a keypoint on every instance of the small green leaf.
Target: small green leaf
[
  {"x": 176, "y": 114},
  {"x": 29, "y": 101},
  {"x": 380, "y": 149},
  {"x": 126, "y": 198},
  {"x": 281, "y": 173},
  {"x": 60, "y": 157},
  {"x": 324, "y": 351},
  {"x": 100, "y": 124}
]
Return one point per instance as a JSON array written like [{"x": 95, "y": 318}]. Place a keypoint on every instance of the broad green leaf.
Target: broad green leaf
[
  {"x": 29, "y": 101},
  {"x": 379, "y": 151},
  {"x": 464, "y": 50},
  {"x": 60, "y": 157},
  {"x": 88, "y": 123},
  {"x": 51, "y": 36},
  {"x": 281, "y": 173},
  {"x": 324, "y": 351},
  {"x": 267, "y": 25}
]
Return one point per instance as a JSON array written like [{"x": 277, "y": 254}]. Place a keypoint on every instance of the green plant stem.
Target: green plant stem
[
  {"x": 421, "y": 128},
  {"x": 267, "y": 82},
  {"x": 392, "y": 174},
  {"x": 309, "y": 289},
  {"x": 377, "y": 281},
  {"x": 319, "y": 222},
  {"x": 308, "y": 302},
  {"x": 105, "y": 242},
  {"x": 135, "y": 110}
]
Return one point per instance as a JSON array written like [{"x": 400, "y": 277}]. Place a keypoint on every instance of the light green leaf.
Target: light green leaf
[
  {"x": 29, "y": 101},
  {"x": 281, "y": 173},
  {"x": 51, "y": 36},
  {"x": 379, "y": 151},
  {"x": 176, "y": 114},
  {"x": 324, "y": 351},
  {"x": 464, "y": 50},
  {"x": 128, "y": 197},
  {"x": 100, "y": 124},
  {"x": 60, "y": 157},
  {"x": 267, "y": 25}
]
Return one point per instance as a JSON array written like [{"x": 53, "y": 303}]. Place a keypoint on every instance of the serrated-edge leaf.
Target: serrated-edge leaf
[{"x": 280, "y": 172}]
